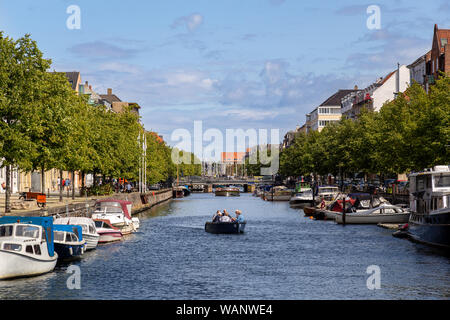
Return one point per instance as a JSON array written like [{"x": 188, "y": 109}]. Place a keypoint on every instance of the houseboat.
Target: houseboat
[
  {"x": 227, "y": 192},
  {"x": 26, "y": 246},
  {"x": 429, "y": 200},
  {"x": 279, "y": 193}
]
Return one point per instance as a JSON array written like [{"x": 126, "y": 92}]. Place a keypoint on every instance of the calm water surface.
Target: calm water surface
[{"x": 282, "y": 255}]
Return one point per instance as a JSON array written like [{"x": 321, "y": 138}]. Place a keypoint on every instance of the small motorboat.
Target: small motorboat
[
  {"x": 302, "y": 199},
  {"x": 225, "y": 227},
  {"x": 107, "y": 232},
  {"x": 26, "y": 246},
  {"x": 280, "y": 193},
  {"x": 327, "y": 193},
  {"x": 69, "y": 243},
  {"x": 118, "y": 212},
  {"x": 89, "y": 231},
  {"x": 178, "y": 192},
  {"x": 384, "y": 213},
  {"x": 227, "y": 192}
]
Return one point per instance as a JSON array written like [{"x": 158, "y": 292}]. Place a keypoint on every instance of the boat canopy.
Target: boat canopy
[
  {"x": 116, "y": 203},
  {"x": 70, "y": 228},
  {"x": 45, "y": 222},
  {"x": 100, "y": 223}
]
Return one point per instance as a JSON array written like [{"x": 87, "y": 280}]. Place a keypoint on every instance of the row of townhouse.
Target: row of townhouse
[
  {"x": 349, "y": 102},
  {"x": 31, "y": 181}
]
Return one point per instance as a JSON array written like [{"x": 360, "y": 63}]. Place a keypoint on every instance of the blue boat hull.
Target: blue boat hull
[
  {"x": 66, "y": 252},
  {"x": 430, "y": 229},
  {"x": 225, "y": 227}
]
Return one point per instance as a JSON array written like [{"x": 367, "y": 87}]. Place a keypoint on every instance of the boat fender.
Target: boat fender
[
  {"x": 322, "y": 205},
  {"x": 70, "y": 251}
]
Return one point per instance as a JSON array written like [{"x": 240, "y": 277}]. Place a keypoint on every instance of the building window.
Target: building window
[{"x": 443, "y": 42}]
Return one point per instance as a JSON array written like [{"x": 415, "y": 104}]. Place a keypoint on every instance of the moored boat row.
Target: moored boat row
[
  {"x": 427, "y": 220},
  {"x": 31, "y": 246}
]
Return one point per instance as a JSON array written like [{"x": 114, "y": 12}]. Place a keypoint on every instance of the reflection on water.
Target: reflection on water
[{"x": 282, "y": 255}]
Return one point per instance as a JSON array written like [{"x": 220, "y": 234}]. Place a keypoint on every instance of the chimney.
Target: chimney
[
  {"x": 90, "y": 87},
  {"x": 109, "y": 91}
]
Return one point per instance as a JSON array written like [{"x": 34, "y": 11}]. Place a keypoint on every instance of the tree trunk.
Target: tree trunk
[
  {"x": 8, "y": 190},
  {"x": 73, "y": 185},
  {"x": 42, "y": 180},
  {"x": 84, "y": 192},
  {"x": 60, "y": 186}
]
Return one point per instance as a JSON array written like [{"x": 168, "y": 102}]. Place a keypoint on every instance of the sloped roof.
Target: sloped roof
[
  {"x": 442, "y": 34},
  {"x": 335, "y": 99},
  {"x": 110, "y": 98},
  {"x": 73, "y": 78}
]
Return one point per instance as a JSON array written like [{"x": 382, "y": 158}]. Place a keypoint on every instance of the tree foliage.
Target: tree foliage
[{"x": 410, "y": 133}]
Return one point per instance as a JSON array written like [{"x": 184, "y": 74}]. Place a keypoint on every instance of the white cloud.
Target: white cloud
[{"x": 191, "y": 22}]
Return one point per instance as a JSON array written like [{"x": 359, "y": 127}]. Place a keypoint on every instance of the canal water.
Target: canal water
[{"x": 282, "y": 255}]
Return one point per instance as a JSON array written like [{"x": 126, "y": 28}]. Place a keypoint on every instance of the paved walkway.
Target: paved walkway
[{"x": 52, "y": 202}]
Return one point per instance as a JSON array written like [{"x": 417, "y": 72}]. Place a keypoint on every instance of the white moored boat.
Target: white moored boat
[
  {"x": 26, "y": 246},
  {"x": 89, "y": 232},
  {"x": 384, "y": 213},
  {"x": 301, "y": 199},
  {"x": 118, "y": 212},
  {"x": 107, "y": 232}
]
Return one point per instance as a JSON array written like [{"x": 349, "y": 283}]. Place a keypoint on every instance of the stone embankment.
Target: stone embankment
[{"x": 84, "y": 207}]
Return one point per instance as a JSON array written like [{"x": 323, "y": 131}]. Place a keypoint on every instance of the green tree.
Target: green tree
[{"x": 22, "y": 75}]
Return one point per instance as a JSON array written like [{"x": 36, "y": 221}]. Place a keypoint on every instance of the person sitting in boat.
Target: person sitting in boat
[
  {"x": 217, "y": 216},
  {"x": 225, "y": 217},
  {"x": 239, "y": 218}
]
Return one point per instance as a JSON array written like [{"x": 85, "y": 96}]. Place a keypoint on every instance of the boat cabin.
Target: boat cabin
[
  {"x": 27, "y": 235},
  {"x": 327, "y": 193},
  {"x": 68, "y": 234},
  {"x": 430, "y": 190},
  {"x": 114, "y": 206}
]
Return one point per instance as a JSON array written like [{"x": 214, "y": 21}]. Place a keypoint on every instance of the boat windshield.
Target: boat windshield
[
  {"x": 99, "y": 224},
  {"x": 6, "y": 231},
  {"x": 328, "y": 190},
  {"x": 27, "y": 231},
  {"x": 442, "y": 181},
  {"x": 59, "y": 236},
  {"x": 109, "y": 207},
  {"x": 70, "y": 237}
]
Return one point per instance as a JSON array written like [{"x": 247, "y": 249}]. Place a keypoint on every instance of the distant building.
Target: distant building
[
  {"x": 74, "y": 79},
  {"x": 118, "y": 105},
  {"x": 418, "y": 69},
  {"x": 289, "y": 138},
  {"x": 378, "y": 93},
  {"x": 329, "y": 111},
  {"x": 440, "y": 54}
]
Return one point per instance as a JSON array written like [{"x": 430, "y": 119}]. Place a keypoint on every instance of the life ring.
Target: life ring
[
  {"x": 322, "y": 204},
  {"x": 4, "y": 185}
]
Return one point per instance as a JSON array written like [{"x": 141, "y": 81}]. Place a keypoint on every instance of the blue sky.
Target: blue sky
[{"x": 232, "y": 64}]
